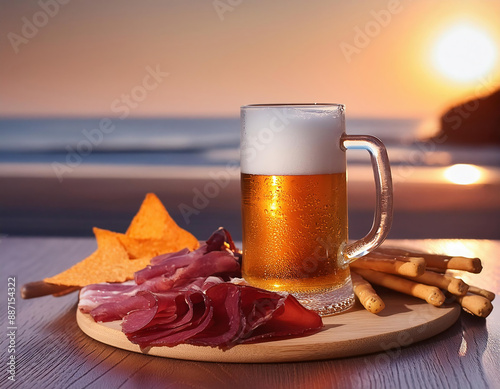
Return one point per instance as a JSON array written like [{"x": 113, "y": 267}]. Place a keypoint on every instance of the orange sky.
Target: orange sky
[{"x": 89, "y": 53}]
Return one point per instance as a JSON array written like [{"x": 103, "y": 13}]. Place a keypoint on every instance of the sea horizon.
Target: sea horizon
[{"x": 201, "y": 141}]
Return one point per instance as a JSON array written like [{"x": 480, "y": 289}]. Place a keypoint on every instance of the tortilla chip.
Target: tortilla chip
[
  {"x": 153, "y": 231},
  {"x": 109, "y": 263},
  {"x": 139, "y": 248}
]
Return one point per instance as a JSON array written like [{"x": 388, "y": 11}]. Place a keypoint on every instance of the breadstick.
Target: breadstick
[
  {"x": 413, "y": 268},
  {"x": 475, "y": 304},
  {"x": 453, "y": 285},
  {"x": 366, "y": 295},
  {"x": 436, "y": 270},
  {"x": 71, "y": 289},
  {"x": 42, "y": 288},
  {"x": 472, "y": 265},
  {"x": 388, "y": 256},
  {"x": 431, "y": 294},
  {"x": 482, "y": 292}
]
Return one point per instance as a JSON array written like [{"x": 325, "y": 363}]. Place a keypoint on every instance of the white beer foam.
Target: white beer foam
[{"x": 292, "y": 140}]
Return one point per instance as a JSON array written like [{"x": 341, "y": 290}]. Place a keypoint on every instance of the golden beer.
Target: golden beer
[{"x": 294, "y": 231}]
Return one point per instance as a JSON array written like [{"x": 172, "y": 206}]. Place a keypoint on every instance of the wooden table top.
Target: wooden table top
[{"x": 52, "y": 352}]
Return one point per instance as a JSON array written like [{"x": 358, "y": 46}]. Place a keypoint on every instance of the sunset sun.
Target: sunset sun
[{"x": 464, "y": 52}]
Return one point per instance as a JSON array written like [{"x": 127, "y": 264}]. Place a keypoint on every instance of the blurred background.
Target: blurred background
[{"x": 102, "y": 102}]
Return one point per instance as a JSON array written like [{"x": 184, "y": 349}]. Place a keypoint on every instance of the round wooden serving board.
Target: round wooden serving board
[{"x": 404, "y": 321}]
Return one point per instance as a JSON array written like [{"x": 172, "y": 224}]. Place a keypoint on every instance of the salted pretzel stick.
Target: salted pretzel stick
[
  {"x": 453, "y": 285},
  {"x": 482, "y": 292},
  {"x": 411, "y": 268},
  {"x": 366, "y": 294},
  {"x": 431, "y": 294},
  {"x": 472, "y": 265},
  {"x": 475, "y": 304}
]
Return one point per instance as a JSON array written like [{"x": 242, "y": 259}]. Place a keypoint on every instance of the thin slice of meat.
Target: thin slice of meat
[
  {"x": 94, "y": 295},
  {"x": 290, "y": 319},
  {"x": 258, "y": 306},
  {"x": 117, "y": 310},
  {"x": 156, "y": 260},
  {"x": 226, "y": 322},
  {"x": 219, "y": 245},
  {"x": 220, "y": 240},
  {"x": 212, "y": 263},
  {"x": 189, "y": 322},
  {"x": 167, "y": 265}
]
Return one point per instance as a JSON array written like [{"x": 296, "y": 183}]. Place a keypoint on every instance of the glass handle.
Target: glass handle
[{"x": 383, "y": 181}]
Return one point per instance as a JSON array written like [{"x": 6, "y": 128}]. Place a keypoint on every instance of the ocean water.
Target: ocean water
[{"x": 200, "y": 141}]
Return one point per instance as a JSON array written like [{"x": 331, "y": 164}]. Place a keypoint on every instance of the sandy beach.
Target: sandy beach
[{"x": 201, "y": 199}]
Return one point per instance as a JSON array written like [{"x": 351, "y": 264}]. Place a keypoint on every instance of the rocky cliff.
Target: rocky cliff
[{"x": 474, "y": 122}]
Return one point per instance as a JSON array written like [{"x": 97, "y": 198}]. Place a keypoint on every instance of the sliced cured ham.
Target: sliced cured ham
[
  {"x": 166, "y": 271},
  {"x": 185, "y": 297}
]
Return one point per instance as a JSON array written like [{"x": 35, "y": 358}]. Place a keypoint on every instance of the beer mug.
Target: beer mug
[{"x": 294, "y": 202}]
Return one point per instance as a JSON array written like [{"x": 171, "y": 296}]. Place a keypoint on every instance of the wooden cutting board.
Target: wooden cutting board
[{"x": 404, "y": 321}]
